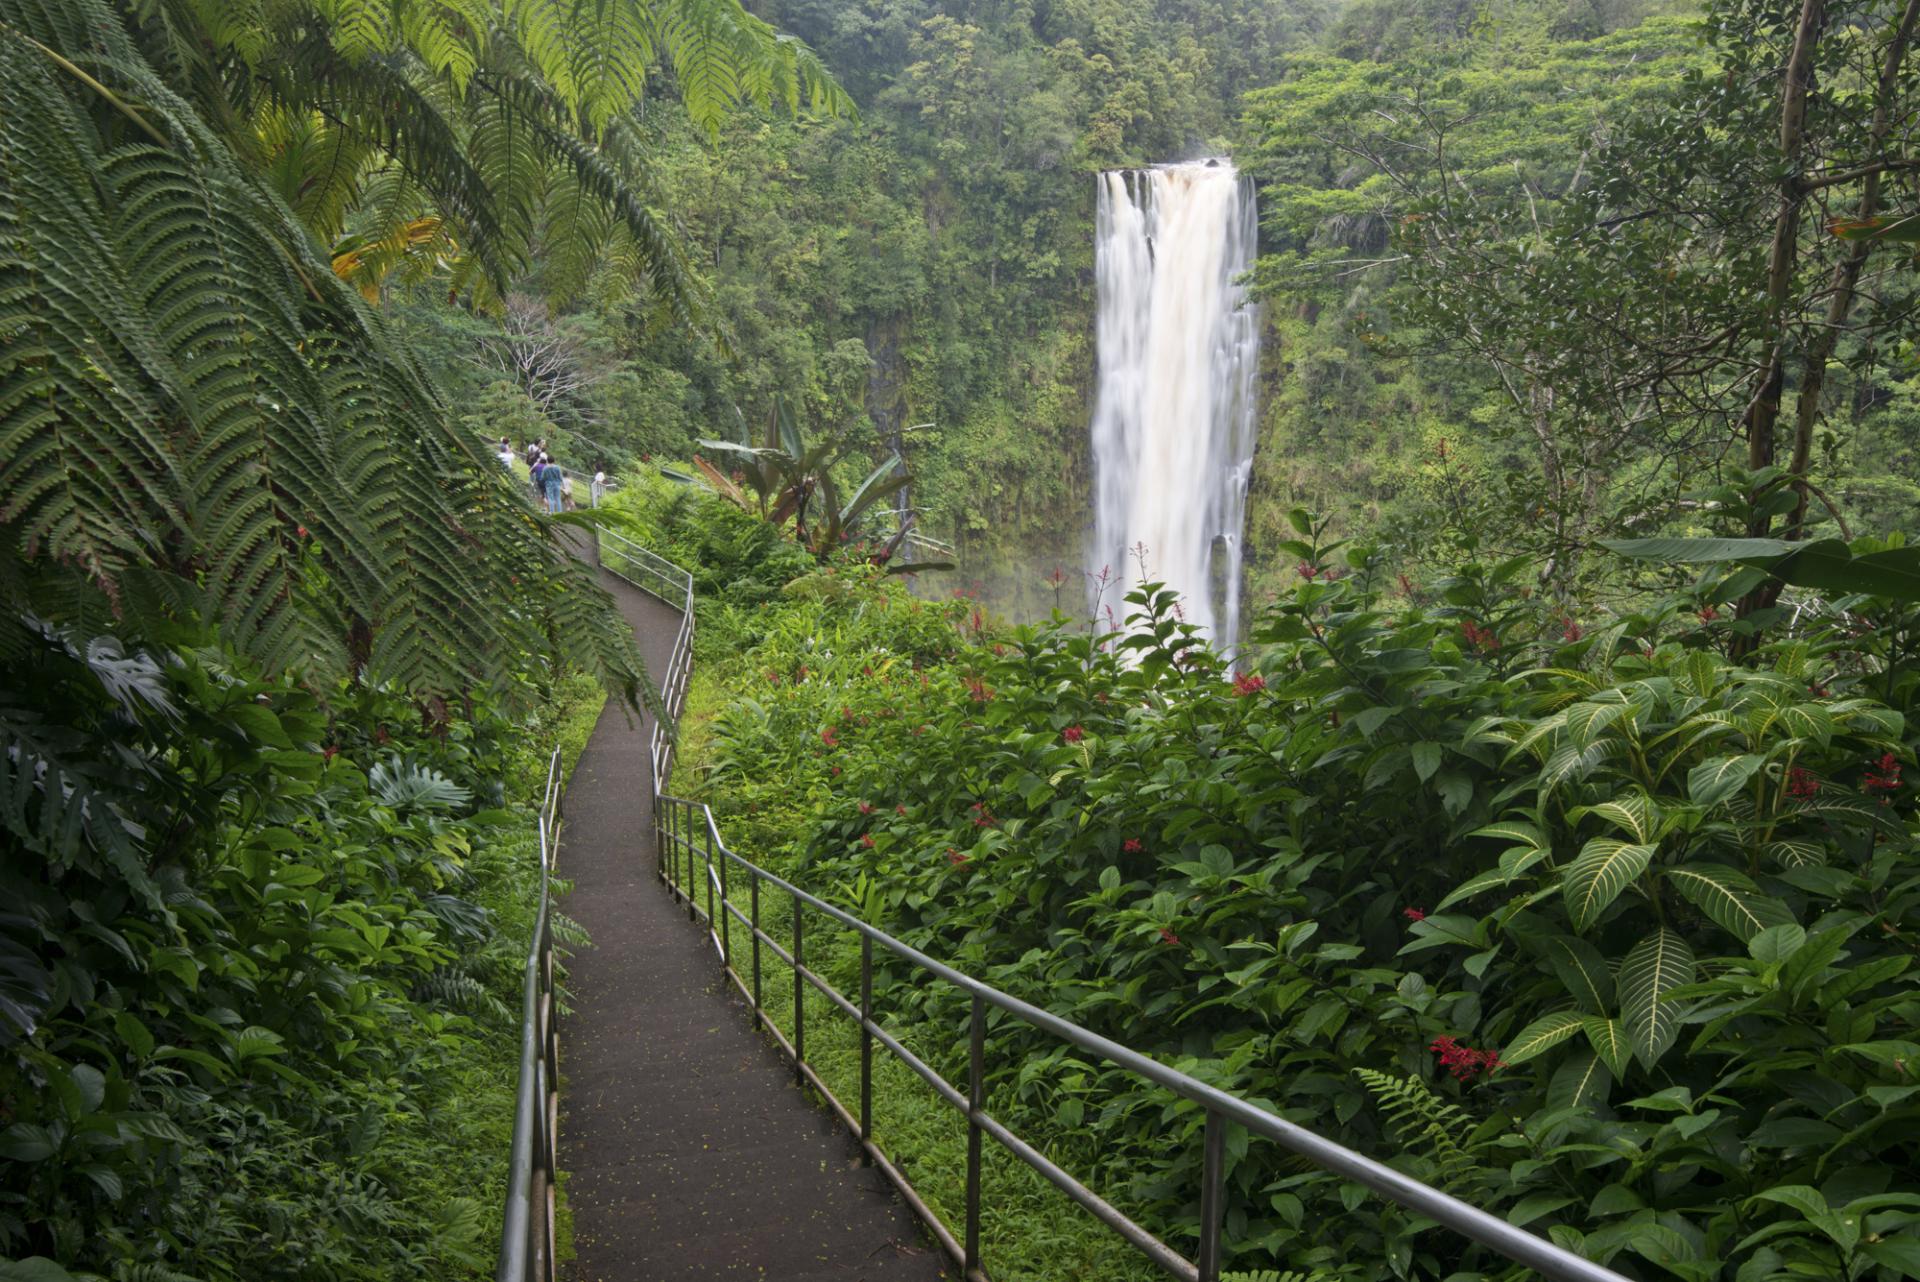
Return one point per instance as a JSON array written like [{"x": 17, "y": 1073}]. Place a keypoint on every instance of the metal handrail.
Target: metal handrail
[
  {"x": 667, "y": 582},
  {"x": 682, "y": 826},
  {"x": 527, "y": 1230}
]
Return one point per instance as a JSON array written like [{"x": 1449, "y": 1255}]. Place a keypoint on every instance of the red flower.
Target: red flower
[
  {"x": 330, "y": 751},
  {"x": 1306, "y": 571},
  {"x": 836, "y": 772},
  {"x": 1246, "y": 683},
  {"x": 800, "y": 673},
  {"x": 1414, "y": 914},
  {"x": 1133, "y": 845},
  {"x": 866, "y": 670},
  {"x": 978, "y": 690},
  {"x": 302, "y": 530},
  {"x": 1884, "y": 776},
  {"x": 899, "y": 810},
  {"x": 1818, "y": 691},
  {"x": 867, "y": 841},
  {"x": 1481, "y": 639},
  {"x": 1464, "y": 1062},
  {"x": 829, "y": 738},
  {"x": 773, "y": 678},
  {"x": 1708, "y": 614},
  {"x": 1168, "y": 937},
  {"x": 1406, "y": 584},
  {"x": 955, "y": 858},
  {"x": 1569, "y": 630},
  {"x": 1073, "y": 734},
  {"x": 866, "y": 807},
  {"x": 1800, "y": 784}
]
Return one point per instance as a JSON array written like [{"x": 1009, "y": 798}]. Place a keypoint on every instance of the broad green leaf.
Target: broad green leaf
[
  {"x": 1729, "y": 898},
  {"x": 1776, "y": 943},
  {"x": 1426, "y": 760},
  {"x": 1608, "y": 1037},
  {"x": 1636, "y": 813},
  {"x": 1595, "y": 879},
  {"x": 1541, "y": 1035},
  {"x": 1586, "y": 722},
  {"x": 1660, "y": 962},
  {"x": 1581, "y": 1082},
  {"x": 1512, "y": 830},
  {"x": 1712, "y": 782},
  {"x": 1583, "y": 972}
]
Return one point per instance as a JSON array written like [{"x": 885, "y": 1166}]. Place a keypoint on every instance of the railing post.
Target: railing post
[
  {"x": 866, "y": 1046},
  {"x": 713, "y": 927},
  {"x": 726, "y": 927},
  {"x": 754, "y": 882},
  {"x": 976, "y": 1104},
  {"x": 686, "y": 829},
  {"x": 1212, "y": 1179},
  {"x": 799, "y": 1000}
]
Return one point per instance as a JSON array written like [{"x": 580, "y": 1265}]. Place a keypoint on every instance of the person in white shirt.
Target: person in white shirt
[{"x": 599, "y": 487}]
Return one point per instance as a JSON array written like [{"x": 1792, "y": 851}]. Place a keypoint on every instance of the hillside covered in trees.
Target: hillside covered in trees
[{"x": 1546, "y": 828}]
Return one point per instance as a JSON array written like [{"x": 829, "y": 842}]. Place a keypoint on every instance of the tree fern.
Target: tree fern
[
  {"x": 199, "y": 418},
  {"x": 480, "y": 104}
]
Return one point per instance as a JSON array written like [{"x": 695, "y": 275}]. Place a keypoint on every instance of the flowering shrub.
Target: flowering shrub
[{"x": 1661, "y": 998}]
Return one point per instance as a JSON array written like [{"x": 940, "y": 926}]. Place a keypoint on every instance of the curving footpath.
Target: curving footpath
[{"x": 690, "y": 1151}]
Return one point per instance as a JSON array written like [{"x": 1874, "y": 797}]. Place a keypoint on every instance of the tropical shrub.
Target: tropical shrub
[
  {"x": 260, "y": 955},
  {"x": 1574, "y": 916}
]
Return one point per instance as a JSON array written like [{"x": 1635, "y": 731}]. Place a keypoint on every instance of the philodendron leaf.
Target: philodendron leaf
[
  {"x": 1712, "y": 782},
  {"x": 1541, "y": 1035},
  {"x": 1729, "y": 898},
  {"x": 1656, "y": 965},
  {"x": 1776, "y": 943},
  {"x": 1596, "y": 878}
]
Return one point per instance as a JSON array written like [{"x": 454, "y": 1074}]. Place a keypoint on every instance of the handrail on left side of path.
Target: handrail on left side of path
[{"x": 526, "y": 1235}]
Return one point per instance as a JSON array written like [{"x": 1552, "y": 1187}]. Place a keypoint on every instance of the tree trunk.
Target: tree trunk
[{"x": 1846, "y": 273}]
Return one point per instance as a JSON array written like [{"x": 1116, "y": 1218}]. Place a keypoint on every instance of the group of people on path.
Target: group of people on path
[{"x": 551, "y": 483}]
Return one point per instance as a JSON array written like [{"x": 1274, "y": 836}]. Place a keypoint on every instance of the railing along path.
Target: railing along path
[
  {"x": 526, "y": 1236},
  {"x": 686, "y": 829}
]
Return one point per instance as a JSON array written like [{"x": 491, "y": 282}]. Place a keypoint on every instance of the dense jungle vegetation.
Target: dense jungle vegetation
[{"x": 1549, "y": 832}]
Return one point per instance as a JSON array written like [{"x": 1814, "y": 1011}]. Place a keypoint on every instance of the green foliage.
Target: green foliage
[
  {"x": 203, "y": 423},
  {"x": 1573, "y": 916},
  {"x": 259, "y": 999}
]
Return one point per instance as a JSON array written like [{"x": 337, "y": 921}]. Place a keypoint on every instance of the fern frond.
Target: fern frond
[{"x": 1424, "y": 1125}]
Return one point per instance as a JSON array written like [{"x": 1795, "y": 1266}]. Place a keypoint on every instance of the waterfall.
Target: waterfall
[{"x": 1178, "y": 348}]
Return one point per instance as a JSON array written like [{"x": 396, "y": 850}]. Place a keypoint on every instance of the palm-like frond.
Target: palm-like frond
[
  {"x": 507, "y": 114},
  {"x": 198, "y": 417}
]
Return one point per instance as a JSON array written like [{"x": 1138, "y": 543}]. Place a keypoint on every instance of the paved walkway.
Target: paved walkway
[{"x": 691, "y": 1152}]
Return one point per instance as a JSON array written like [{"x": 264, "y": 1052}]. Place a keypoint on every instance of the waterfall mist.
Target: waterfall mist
[{"x": 1178, "y": 349}]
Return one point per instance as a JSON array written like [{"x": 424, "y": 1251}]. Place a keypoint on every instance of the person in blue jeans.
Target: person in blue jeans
[{"x": 551, "y": 481}]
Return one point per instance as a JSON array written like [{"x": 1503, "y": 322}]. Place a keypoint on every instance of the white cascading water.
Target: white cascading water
[{"x": 1178, "y": 351}]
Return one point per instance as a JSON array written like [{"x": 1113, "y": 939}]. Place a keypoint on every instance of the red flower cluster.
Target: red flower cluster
[
  {"x": 1570, "y": 630},
  {"x": 867, "y": 841},
  {"x": 1801, "y": 784},
  {"x": 899, "y": 810},
  {"x": 1818, "y": 690},
  {"x": 955, "y": 858},
  {"x": 773, "y": 678},
  {"x": 1481, "y": 639},
  {"x": 829, "y": 738},
  {"x": 1414, "y": 914},
  {"x": 866, "y": 807},
  {"x": 302, "y": 529},
  {"x": 1708, "y": 614},
  {"x": 1073, "y": 734},
  {"x": 1246, "y": 683},
  {"x": 982, "y": 817},
  {"x": 1464, "y": 1062},
  {"x": 1883, "y": 776},
  {"x": 1168, "y": 937},
  {"x": 1133, "y": 845},
  {"x": 1307, "y": 571},
  {"x": 978, "y": 690},
  {"x": 800, "y": 673}
]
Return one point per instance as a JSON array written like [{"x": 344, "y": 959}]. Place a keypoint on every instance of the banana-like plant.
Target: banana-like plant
[{"x": 792, "y": 480}]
